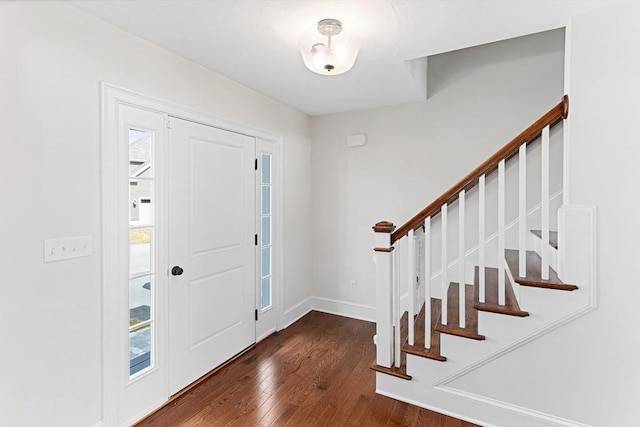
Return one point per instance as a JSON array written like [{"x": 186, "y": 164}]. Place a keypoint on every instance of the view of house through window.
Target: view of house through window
[
  {"x": 265, "y": 231},
  {"x": 141, "y": 251}
]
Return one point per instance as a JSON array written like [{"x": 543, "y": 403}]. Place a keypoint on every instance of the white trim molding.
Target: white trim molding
[
  {"x": 548, "y": 418},
  {"x": 430, "y": 407},
  {"x": 294, "y": 313},
  {"x": 344, "y": 308},
  {"x": 330, "y": 306}
]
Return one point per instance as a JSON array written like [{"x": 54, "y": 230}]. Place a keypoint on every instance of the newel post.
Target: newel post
[{"x": 384, "y": 293}]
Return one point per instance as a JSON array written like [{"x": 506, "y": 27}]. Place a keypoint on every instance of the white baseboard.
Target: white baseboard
[
  {"x": 97, "y": 424},
  {"x": 294, "y": 313},
  {"x": 547, "y": 418},
  {"x": 265, "y": 335},
  {"x": 431, "y": 408},
  {"x": 344, "y": 308}
]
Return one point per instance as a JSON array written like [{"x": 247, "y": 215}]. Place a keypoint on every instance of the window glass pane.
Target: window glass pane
[
  {"x": 266, "y": 292},
  {"x": 140, "y": 202},
  {"x": 139, "y": 349},
  {"x": 266, "y": 200},
  {"x": 265, "y": 231},
  {"x": 139, "y": 251},
  {"x": 140, "y": 153},
  {"x": 266, "y": 261},
  {"x": 141, "y": 207},
  {"x": 266, "y": 169},
  {"x": 140, "y": 300}
]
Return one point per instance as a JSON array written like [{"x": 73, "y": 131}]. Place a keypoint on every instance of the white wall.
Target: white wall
[
  {"x": 479, "y": 99},
  {"x": 52, "y": 58},
  {"x": 588, "y": 370}
]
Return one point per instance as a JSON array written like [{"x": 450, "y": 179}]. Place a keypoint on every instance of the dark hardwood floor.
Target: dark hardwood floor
[{"x": 314, "y": 373}]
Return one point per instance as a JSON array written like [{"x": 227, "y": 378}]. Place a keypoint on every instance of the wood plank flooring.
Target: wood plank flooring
[{"x": 314, "y": 373}]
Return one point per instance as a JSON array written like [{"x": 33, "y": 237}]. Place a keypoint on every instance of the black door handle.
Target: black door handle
[{"x": 176, "y": 271}]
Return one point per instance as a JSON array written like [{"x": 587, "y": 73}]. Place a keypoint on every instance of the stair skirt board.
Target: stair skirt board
[
  {"x": 515, "y": 345},
  {"x": 472, "y": 308},
  {"x": 501, "y": 413},
  {"x": 505, "y": 409}
]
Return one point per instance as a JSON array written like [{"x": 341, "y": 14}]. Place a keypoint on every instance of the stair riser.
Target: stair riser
[{"x": 538, "y": 300}]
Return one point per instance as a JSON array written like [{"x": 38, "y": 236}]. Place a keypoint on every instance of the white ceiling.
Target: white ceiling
[{"x": 256, "y": 42}]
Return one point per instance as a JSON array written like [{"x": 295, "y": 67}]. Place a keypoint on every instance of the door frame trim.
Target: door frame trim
[{"x": 111, "y": 96}]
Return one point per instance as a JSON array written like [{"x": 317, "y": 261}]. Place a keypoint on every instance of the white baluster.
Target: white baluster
[
  {"x": 427, "y": 282},
  {"x": 522, "y": 211},
  {"x": 396, "y": 339},
  {"x": 501, "y": 212},
  {"x": 481, "y": 230},
  {"x": 411, "y": 264},
  {"x": 545, "y": 202},
  {"x": 461, "y": 244},
  {"x": 443, "y": 273}
]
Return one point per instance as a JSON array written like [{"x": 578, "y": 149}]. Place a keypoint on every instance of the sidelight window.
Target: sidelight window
[
  {"x": 141, "y": 251},
  {"x": 266, "y": 300}
]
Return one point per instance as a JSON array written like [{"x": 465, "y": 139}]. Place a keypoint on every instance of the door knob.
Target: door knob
[{"x": 176, "y": 271}]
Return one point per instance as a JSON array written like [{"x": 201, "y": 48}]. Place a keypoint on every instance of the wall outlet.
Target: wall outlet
[
  {"x": 73, "y": 247},
  {"x": 352, "y": 285}
]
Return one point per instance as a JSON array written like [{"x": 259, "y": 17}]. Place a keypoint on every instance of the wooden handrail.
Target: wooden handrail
[{"x": 558, "y": 113}]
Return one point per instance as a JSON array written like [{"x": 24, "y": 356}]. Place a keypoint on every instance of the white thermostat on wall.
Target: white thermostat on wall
[{"x": 356, "y": 140}]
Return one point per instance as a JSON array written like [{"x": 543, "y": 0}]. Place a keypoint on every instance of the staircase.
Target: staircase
[{"x": 505, "y": 286}]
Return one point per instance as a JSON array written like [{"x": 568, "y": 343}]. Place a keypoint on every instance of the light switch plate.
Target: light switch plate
[{"x": 71, "y": 247}]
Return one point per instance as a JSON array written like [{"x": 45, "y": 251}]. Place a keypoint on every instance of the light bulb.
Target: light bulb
[
  {"x": 318, "y": 52},
  {"x": 340, "y": 49}
]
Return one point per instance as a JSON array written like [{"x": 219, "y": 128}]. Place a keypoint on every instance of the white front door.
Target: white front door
[{"x": 211, "y": 248}]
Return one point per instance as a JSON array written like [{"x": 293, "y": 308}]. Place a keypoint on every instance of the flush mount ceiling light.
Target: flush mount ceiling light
[{"x": 329, "y": 49}]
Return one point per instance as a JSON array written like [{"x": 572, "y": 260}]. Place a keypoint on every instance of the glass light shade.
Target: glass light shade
[{"x": 329, "y": 61}]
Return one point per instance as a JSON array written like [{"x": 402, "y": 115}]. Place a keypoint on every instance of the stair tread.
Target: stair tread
[
  {"x": 553, "y": 237},
  {"x": 418, "y": 349},
  {"x": 400, "y": 372},
  {"x": 534, "y": 272},
  {"x": 471, "y": 316},
  {"x": 511, "y": 306}
]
